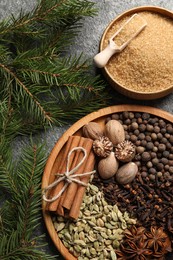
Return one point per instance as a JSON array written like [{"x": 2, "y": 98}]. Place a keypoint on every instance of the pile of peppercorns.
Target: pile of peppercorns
[
  {"x": 149, "y": 197},
  {"x": 153, "y": 138}
]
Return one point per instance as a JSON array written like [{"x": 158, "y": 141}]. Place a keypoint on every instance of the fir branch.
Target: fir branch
[
  {"x": 33, "y": 104},
  {"x": 60, "y": 12},
  {"x": 20, "y": 213},
  {"x": 39, "y": 80}
]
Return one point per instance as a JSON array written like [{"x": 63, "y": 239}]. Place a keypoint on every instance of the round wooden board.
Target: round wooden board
[{"x": 76, "y": 129}]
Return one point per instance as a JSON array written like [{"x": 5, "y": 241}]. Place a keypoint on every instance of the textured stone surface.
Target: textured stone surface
[{"x": 88, "y": 43}]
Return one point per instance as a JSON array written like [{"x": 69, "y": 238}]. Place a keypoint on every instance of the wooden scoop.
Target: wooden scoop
[{"x": 126, "y": 33}]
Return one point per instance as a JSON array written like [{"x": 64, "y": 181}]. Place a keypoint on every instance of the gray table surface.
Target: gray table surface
[{"x": 88, "y": 43}]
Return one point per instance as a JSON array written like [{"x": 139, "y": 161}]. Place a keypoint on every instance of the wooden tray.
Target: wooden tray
[{"x": 51, "y": 165}]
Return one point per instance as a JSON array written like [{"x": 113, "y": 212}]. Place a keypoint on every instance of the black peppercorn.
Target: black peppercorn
[
  {"x": 149, "y": 146},
  {"x": 131, "y": 115},
  {"x": 171, "y": 169},
  {"x": 160, "y": 166},
  {"x": 156, "y": 143},
  {"x": 163, "y": 140},
  {"x": 152, "y": 121},
  {"x": 171, "y": 139},
  {"x": 143, "y": 143},
  {"x": 140, "y": 149},
  {"x": 163, "y": 130},
  {"x": 152, "y": 177},
  {"x": 136, "y": 132},
  {"x": 152, "y": 170},
  {"x": 138, "y": 142},
  {"x": 169, "y": 129},
  {"x": 155, "y": 149},
  {"x": 125, "y": 114},
  {"x": 168, "y": 145},
  {"x": 148, "y": 138},
  {"x": 155, "y": 161},
  {"x": 156, "y": 129},
  {"x": 133, "y": 138},
  {"x": 134, "y": 126},
  {"x": 139, "y": 120},
  {"x": 159, "y": 136},
  {"x": 161, "y": 147},
  {"x": 137, "y": 114},
  {"x": 144, "y": 174},
  {"x": 162, "y": 123},
  {"x": 166, "y": 167},
  {"x": 153, "y": 155},
  {"x": 115, "y": 116},
  {"x": 154, "y": 136},
  {"x": 167, "y": 135},
  {"x": 166, "y": 154},
  {"x": 149, "y": 164},
  {"x": 127, "y": 121},
  {"x": 145, "y": 156},
  {"x": 159, "y": 174},
  {"x": 142, "y": 128},
  {"x": 171, "y": 156},
  {"x": 145, "y": 116},
  {"x": 149, "y": 127}
]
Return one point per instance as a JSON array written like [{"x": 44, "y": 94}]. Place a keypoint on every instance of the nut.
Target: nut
[
  {"x": 115, "y": 132},
  {"x": 125, "y": 151},
  {"x": 92, "y": 130},
  {"x": 126, "y": 173},
  {"x": 107, "y": 167},
  {"x": 102, "y": 146}
]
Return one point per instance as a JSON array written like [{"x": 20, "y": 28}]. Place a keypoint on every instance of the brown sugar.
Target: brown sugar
[
  {"x": 129, "y": 29},
  {"x": 146, "y": 64}
]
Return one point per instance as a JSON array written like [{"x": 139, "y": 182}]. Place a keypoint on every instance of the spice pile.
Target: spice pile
[
  {"x": 97, "y": 232},
  {"x": 149, "y": 196},
  {"x": 142, "y": 244},
  {"x": 145, "y": 65}
]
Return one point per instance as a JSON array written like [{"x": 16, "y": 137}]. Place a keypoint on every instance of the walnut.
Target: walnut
[
  {"x": 102, "y": 146},
  {"x": 125, "y": 151}
]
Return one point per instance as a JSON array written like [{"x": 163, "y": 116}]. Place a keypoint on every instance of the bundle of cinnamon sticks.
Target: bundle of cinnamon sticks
[{"x": 68, "y": 204}]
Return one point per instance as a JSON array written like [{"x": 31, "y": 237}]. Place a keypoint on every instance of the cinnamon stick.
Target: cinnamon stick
[
  {"x": 72, "y": 188},
  {"x": 72, "y": 142},
  {"x": 75, "y": 209},
  {"x": 75, "y": 161},
  {"x": 52, "y": 192}
]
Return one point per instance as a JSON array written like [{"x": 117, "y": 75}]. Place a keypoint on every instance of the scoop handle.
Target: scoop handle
[{"x": 102, "y": 57}]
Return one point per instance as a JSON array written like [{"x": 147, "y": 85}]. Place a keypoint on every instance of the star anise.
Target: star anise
[
  {"x": 157, "y": 239},
  {"x": 140, "y": 244},
  {"x": 121, "y": 255},
  {"x": 136, "y": 251},
  {"x": 134, "y": 233},
  {"x": 160, "y": 255}
]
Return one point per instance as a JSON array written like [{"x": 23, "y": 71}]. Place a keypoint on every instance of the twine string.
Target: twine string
[{"x": 68, "y": 176}]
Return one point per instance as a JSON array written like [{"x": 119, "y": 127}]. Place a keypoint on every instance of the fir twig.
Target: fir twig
[
  {"x": 20, "y": 213},
  {"x": 43, "y": 83}
]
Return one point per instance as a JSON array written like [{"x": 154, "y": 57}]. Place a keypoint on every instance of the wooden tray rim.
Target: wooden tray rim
[{"x": 62, "y": 140}]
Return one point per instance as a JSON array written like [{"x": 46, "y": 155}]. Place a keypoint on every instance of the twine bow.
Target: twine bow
[{"x": 67, "y": 176}]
